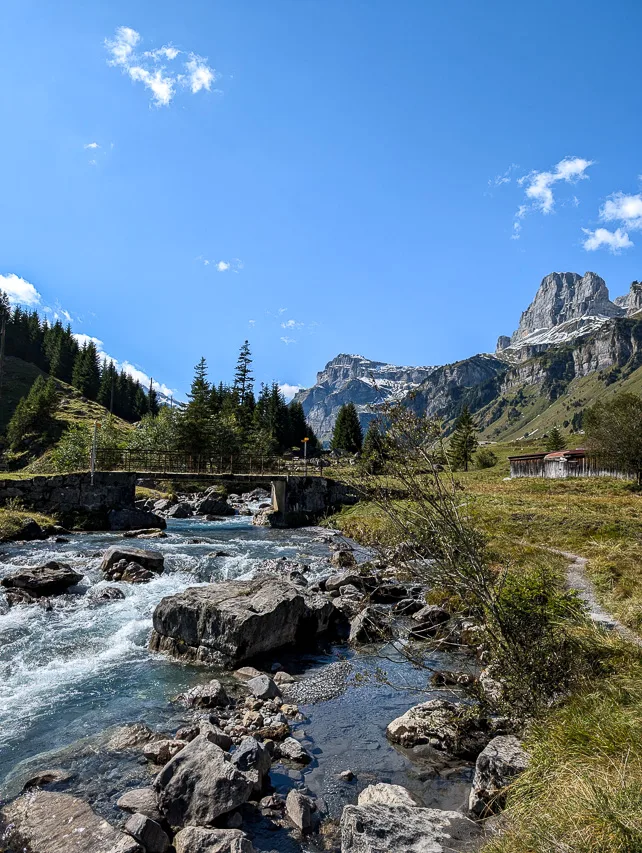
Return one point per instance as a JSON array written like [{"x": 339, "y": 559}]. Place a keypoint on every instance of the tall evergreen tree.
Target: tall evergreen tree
[
  {"x": 555, "y": 440},
  {"x": 243, "y": 379},
  {"x": 86, "y": 372},
  {"x": 34, "y": 414},
  {"x": 195, "y": 427},
  {"x": 347, "y": 434},
  {"x": 463, "y": 442}
]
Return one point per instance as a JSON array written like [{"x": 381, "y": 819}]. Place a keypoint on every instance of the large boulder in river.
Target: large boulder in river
[
  {"x": 153, "y": 561},
  {"x": 455, "y": 728},
  {"x": 132, "y": 518},
  {"x": 213, "y": 503},
  {"x": 51, "y": 579},
  {"x": 497, "y": 766},
  {"x": 200, "y": 784},
  {"x": 377, "y": 827},
  {"x": 230, "y": 622},
  {"x": 46, "y": 822}
]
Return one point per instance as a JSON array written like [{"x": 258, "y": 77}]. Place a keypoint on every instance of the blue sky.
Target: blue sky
[{"x": 319, "y": 176}]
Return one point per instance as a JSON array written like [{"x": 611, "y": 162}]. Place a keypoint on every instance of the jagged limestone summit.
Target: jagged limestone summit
[{"x": 571, "y": 330}]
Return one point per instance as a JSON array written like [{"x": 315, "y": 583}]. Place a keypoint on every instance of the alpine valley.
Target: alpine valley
[{"x": 573, "y": 346}]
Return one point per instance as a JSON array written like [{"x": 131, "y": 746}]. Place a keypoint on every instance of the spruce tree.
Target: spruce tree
[
  {"x": 243, "y": 379},
  {"x": 374, "y": 452},
  {"x": 463, "y": 442},
  {"x": 195, "y": 425},
  {"x": 347, "y": 434},
  {"x": 555, "y": 440},
  {"x": 34, "y": 414}
]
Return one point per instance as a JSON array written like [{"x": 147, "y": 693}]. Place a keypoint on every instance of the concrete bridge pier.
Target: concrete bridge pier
[{"x": 298, "y": 501}]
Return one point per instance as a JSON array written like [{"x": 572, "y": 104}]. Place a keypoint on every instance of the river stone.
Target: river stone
[
  {"x": 343, "y": 559},
  {"x": 214, "y": 505},
  {"x": 107, "y": 593},
  {"x": 245, "y": 673},
  {"x": 210, "y": 695},
  {"x": 160, "y": 751},
  {"x": 230, "y": 622},
  {"x": 152, "y": 560},
  {"x": 372, "y": 625},
  {"x": 447, "y": 726},
  {"x": 46, "y": 822},
  {"x": 379, "y": 828},
  {"x": 40, "y": 581},
  {"x": 181, "y": 510},
  {"x": 497, "y": 766},
  {"x": 386, "y": 795},
  {"x": 298, "y": 811},
  {"x": 292, "y": 750},
  {"x": 253, "y": 759},
  {"x": 428, "y": 621},
  {"x": 343, "y": 579},
  {"x": 141, "y": 800},
  {"x": 55, "y": 776},
  {"x": 263, "y": 687},
  {"x": 199, "y": 784},
  {"x": 131, "y": 737},
  {"x": 134, "y": 519},
  {"x": 150, "y": 834},
  {"x": 196, "y": 839}
]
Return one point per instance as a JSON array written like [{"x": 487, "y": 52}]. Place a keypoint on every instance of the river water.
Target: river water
[{"x": 71, "y": 674}]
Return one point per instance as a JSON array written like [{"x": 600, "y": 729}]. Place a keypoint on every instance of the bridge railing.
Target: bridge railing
[{"x": 172, "y": 462}]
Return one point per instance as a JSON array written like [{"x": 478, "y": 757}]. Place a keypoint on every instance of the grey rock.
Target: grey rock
[
  {"x": 343, "y": 559},
  {"x": 408, "y": 606},
  {"x": 210, "y": 695},
  {"x": 47, "y": 822},
  {"x": 134, "y": 519},
  {"x": 214, "y": 505},
  {"x": 253, "y": 759},
  {"x": 292, "y": 750},
  {"x": 142, "y": 800},
  {"x": 133, "y": 736},
  {"x": 51, "y": 579},
  {"x": 447, "y": 726},
  {"x": 379, "y": 828},
  {"x": 229, "y": 622},
  {"x": 160, "y": 751},
  {"x": 145, "y": 830},
  {"x": 55, "y": 776},
  {"x": 181, "y": 510},
  {"x": 297, "y": 811},
  {"x": 372, "y": 625},
  {"x": 151, "y": 560},
  {"x": 387, "y": 795},
  {"x": 263, "y": 687},
  {"x": 199, "y": 785},
  {"x": 497, "y": 766},
  {"x": 342, "y": 579},
  {"x": 245, "y": 673},
  {"x": 194, "y": 839},
  {"x": 428, "y": 622},
  {"x": 215, "y": 735},
  {"x": 107, "y": 593}
]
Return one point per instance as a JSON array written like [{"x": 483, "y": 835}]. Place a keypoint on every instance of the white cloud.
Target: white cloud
[
  {"x": 161, "y": 86},
  {"x": 93, "y": 162},
  {"x": 292, "y": 324},
  {"x": 251, "y": 322},
  {"x": 539, "y": 184},
  {"x": 19, "y": 290},
  {"x": 121, "y": 47},
  {"x": 288, "y": 390},
  {"x": 282, "y": 310},
  {"x": 234, "y": 264},
  {"x": 201, "y": 76},
  {"x": 504, "y": 178},
  {"x": 148, "y": 68},
  {"x": 130, "y": 369},
  {"x": 614, "y": 241},
  {"x": 623, "y": 208},
  {"x": 92, "y": 145},
  {"x": 287, "y": 340},
  {"x": 222, "y": 266}
]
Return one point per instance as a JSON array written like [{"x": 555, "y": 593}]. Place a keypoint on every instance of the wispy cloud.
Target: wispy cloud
[
  {"x": 92, "y": 145},
  {"x": 539, "y": 188},
  {"x": 292, "y": 324},
  {"x": 602, "y": 238},
  {"x": 233, "y": 265},
  {"x": 19, "y": 290},
  {"x": 504, "y": 178},
  {"x": 251, "y": 322},
  {"x": 623, "y": 208},
  {"x": 288, "y": 391},
  {"x": 128, "y": 367},
  {"x": 222, "y": 266},
  {"x": 287, "y": 340},
  {"x": 149, "y": 68}
]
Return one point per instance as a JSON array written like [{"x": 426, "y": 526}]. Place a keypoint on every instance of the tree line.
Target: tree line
[{"x": 53, "y": 348}]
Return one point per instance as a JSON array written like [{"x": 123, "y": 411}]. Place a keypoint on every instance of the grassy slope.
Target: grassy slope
[
  {"x": 11, "y": 521},
  {"x": 538, "y": 414}
]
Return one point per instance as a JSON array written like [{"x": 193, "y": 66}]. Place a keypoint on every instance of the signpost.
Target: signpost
[{"x": 305, "y": 456}]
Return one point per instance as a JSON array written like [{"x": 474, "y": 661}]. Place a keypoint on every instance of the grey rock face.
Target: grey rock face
[
  {"x": 497, "y": 766},
  {"x": 195, "y": 839},
  {"x": 632, "y": 301},
  {"x": 200, "y": 784},
  {"x": 46, "y": 822},
  {"x": 355, "y": 379},
  {"x": 379, "y": 828},
  {"x": 230, "y": 622},
  {"x": 563, "y": 297},
  {"x": 51, "y": 579}
]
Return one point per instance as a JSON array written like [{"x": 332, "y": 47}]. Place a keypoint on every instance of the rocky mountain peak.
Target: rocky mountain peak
[
  {"x": 565, "y": 305},
  {"x": 631, "y": 302}
]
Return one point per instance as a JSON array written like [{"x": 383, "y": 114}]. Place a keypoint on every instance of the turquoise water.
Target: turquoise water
[{"x": 71, "y": 673}]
